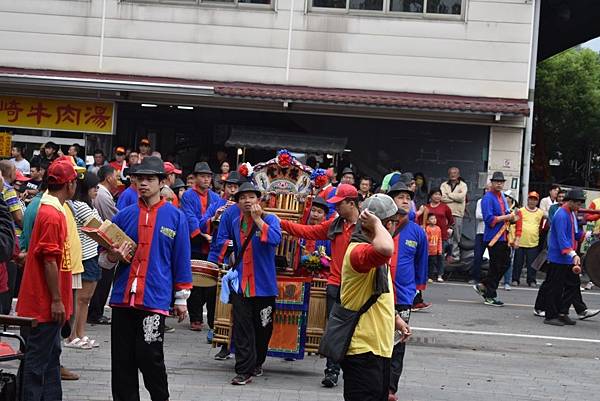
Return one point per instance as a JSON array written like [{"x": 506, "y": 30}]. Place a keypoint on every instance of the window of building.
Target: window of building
[
  {"x": 200, "y": 2},
  {"x": 426, "y": 8}
]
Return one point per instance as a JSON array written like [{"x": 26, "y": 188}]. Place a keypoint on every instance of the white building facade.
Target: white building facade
[{"x": 450, "y": 62}]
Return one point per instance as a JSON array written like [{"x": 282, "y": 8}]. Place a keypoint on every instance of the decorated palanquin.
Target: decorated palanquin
[{"x": 300, "y": 314}]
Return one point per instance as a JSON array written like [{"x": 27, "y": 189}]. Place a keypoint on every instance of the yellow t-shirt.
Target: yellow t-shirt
[
  {"x": 530, "y": 235},
  {"x": 74, "y": 242},
  {"x": 375, "y": 330}
]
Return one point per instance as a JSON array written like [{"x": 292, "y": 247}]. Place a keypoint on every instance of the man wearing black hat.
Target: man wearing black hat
[
  {"x": 210, "y": 218},
  {"x": 347, "y": 176},
  {"x": 497, "y": 218},
  {"x": 143, "y": 288},
  {"x": 255, "y": 236},
  {"x": 195, "y": 203},
  {"x": 564, "y": 265}
]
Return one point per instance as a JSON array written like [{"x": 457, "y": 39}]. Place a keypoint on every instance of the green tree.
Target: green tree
[{"x": 567, "y": 111}]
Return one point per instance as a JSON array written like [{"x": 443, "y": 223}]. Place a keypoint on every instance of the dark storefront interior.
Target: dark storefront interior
[{"x": 372, "y": 145}]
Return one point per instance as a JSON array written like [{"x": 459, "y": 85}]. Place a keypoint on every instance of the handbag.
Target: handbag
[
  {"x": 240, "y": 257},
  {"x": 340, "y": 329}
]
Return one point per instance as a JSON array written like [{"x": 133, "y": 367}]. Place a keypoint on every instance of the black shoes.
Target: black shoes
[
  {"x": 567, "y": 320},
  {"x": 100, "y": 320},
  {"x": 554, "y": 322},
  {"x": 241, "y": 380},
  {"x": 330, "y": 380}
]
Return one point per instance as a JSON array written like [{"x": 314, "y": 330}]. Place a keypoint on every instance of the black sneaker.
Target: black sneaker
[
  {"x": 258, "y": 371},
  {"x": 554, "y": 322},
  {"x": 479, "y": 289},
  {"x": 241, "y": 380},
  {"x": 330, "y": 380},
  {"x": 223, "y": 355},
  {"x": 493, "y": 302},
  {"x": 567, "y": 320}
]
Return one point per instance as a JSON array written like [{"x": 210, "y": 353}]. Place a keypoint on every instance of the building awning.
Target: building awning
[
  {"x": 298, "y": 142},
  {"x": 129, "y": 87}
]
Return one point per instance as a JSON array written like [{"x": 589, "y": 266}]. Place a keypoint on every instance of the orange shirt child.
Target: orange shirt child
[{"x": 434, "y": 237}]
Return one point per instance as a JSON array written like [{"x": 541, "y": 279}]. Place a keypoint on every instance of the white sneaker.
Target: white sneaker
[
  {"x": 588, "y": 313},
  {"x": 539, "y": 313},
  {"x": 507, "y": 287},
  {"x": 589, "y": 286},
  {"x": 440, "y": 279},
  {"x": 429, "y": 280}
]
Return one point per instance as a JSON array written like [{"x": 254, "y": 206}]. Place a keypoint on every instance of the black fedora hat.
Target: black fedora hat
[
  {"x": 321, "y": 203},
  {"x": 575, "y": 195},
  {"x": 233, "y": 178},
  {"x": 202, "y": 168},
  {"x": 247, "y": 187},
  {"x": 498, "y": 176},
  {"x": 150, "y": 165},
  {"x": 398, "y": 188},
  {"x": 347, "y": 170},
  {"x": 178, "y": 184}
]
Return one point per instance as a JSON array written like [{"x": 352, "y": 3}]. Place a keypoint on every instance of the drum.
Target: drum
[
  {"x": 223, "y": 326},
  {"x": 317, "y": 315},
  {"x": 204, "y": 273},
  {"x": 591, "y": 262}
]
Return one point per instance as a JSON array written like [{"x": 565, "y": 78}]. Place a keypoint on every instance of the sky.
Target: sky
[{"x": 593, "y": 44}]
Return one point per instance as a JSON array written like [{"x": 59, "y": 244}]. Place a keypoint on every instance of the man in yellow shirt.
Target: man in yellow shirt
[
  {"x": 366, "y": 272},
  {"x": 527, "y": 239}
]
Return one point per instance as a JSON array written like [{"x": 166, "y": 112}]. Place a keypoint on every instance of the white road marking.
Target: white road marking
[
  {"x": 491, "y": 333},
  {"x": 513, "y": 288}
]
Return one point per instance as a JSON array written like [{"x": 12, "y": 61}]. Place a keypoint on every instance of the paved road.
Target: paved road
[{"x": 462, "y": 350}]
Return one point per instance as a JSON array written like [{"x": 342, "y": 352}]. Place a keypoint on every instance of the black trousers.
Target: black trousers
[
  {"x": 578, "y": 304},
  {"x": 252, "y": 329},
  {"x": 397, "y": 362},
  {"x": 198, "y": 298},
  {"x": 137, "y": 339},
  {"x": 366, "y": 377},
  {"x": 98, "y": 301},
  {"x": 563, "y": 286},
  {"x": 499, "y": 264},
  {"x": 333, "y": 297}
]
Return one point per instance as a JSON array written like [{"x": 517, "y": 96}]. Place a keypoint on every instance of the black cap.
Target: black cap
[
  {"x": 247, "y": 187},
  {"x": 575, "y": 195},
  {"x": 233, "y": 178},
  {"x": 178, "y": 184},
  {"x": 347, "y": 170},
  {"x": 400, "y": 187},
  {"x": 202, "y": 168},
  {"x": 498, "y": 176},
  {"x": 150, "y": 165},
  {"x": 321, "y": 203}
]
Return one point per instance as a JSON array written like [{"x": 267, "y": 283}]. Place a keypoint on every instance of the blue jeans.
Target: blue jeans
[
  {"x": 525, "y": 256},
  {"x": 477, "y": 257},
  {"x": 41, "y": 370}
]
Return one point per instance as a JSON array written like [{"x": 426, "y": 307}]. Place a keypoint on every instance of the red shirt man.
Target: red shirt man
[{"x": 46, "y": 292}]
